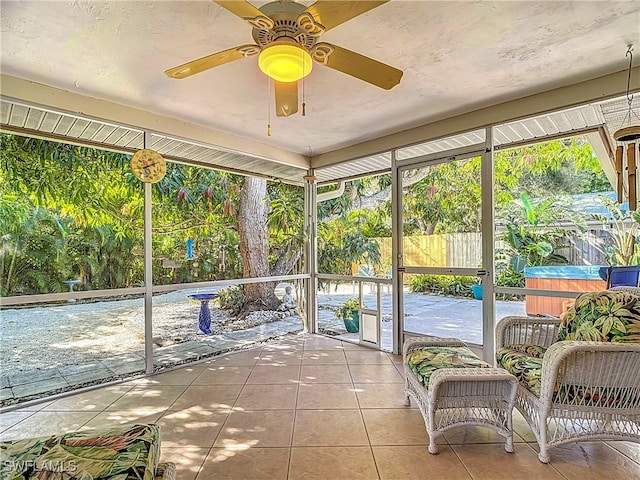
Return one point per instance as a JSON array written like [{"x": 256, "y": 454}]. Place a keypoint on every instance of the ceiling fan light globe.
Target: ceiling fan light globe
[{"x": 285, "y": 63}]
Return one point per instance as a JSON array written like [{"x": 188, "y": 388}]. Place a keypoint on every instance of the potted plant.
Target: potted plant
[
  {"x": 349, "y": 312},
  {"x": 476, "y": 290}
]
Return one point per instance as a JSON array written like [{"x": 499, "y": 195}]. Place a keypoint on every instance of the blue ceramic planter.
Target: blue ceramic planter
[{"x": 477, "y": 291}]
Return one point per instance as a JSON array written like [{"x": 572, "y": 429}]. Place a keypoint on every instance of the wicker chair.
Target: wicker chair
[{"x": 556, "y": 419}]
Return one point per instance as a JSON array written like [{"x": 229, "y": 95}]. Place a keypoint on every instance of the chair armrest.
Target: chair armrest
[
  {"x": 592, "y": 365},
  {"x": 540, "y": 331},
  {"x": 416, "y": 343}
]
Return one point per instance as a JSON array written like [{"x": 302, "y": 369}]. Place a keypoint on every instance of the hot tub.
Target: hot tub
[{"x": 577, "y": 278}]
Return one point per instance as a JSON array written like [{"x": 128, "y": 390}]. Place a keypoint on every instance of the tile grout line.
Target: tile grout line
[
  {"x": 364, "y": 423},
  {"x": 228, "y": 415}
]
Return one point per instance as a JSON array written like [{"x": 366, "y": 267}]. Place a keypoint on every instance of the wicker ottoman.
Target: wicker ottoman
[{"x": 462, "y": 391}]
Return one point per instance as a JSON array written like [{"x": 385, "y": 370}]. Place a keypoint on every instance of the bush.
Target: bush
[
  {"x": 457, "y": 286},
  {"x": 460, "y": 286},
  {"x": 232, "y": 299},
  {"x": 509, "y": 278}
]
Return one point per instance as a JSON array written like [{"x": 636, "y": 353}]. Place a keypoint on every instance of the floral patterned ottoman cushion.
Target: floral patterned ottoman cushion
[
  {"x": 427, "y": 360},
  {"x": 117, "y": 453}
]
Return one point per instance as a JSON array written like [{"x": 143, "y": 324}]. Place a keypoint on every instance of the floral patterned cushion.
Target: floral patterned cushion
[
  {"x": 117, "y": 453},
  {"x": 609, "y": 316},
  {"x": 427, "y": 360},
  {"x": 524, "y": 362}
]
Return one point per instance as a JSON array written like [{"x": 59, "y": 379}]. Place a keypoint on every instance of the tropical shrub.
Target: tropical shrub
[
  {"x": 624, "y": 228},
  {"x": 344, "y": 310},
  {"x": 457, "y": 286}
]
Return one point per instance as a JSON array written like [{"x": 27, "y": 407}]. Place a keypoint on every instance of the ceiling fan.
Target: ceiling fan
[{"x": 286, "y": 36}]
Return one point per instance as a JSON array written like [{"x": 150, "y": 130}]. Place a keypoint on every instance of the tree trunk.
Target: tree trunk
[{"x": 253, "y": 230}]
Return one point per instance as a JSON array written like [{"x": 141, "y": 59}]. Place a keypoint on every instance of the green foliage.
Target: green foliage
[
  {"x": 531, "y": 237},
  {"x": 507, "y": 277},
  {"x": 346, "y": 309},
  {"x": 457, "y": 286},
  {"x": 232, "y": 299},
  {"x": 348, "y": 240},
  {"x": 446, "y": 199},
  {"x": 564, "y": 167},
  {"x": 76, "y": 212},
  {"x": 624, "y": 249}
]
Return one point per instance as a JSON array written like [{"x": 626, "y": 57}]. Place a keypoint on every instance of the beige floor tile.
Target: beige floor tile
[
  {"x": 415, "y": 462},
  {"x": 319, "y": 428},
  {"x": 317, "y": 396},
  {"x": 492, "y": 461},
  {"x": 395, "y": 427},
  {"x": 396, "y": 359},
  {"x": 188, "y": 460},
  {"x": 247, "y": 358},
  {"x": 123, "y": 417},
  {"x": 182, "y": 376},
  {"x": 267, "y": 375},
  {"x": 208, "y": 397},
  {"x": 191, "y": 427},
  {"x": 630, "y": 449},
  {"x": 321, "y": 463},
  {"x": 42, "y": 424},
  {"x": 91, "y": 401},
  {"x": 148, "y": 397},
  {"x": 245, "y": 464},
  {"x": 280, "y": 357},
  {"x": 521, "y": 428},
  {"x": 375, "y": 374},
  {"x": 265, "y": 428},
  {"x": 382, "y": 395},
  {"x": 593, "y": 461},
  {"x": 352, "y": 346},
  {"x": 267, "y": 397},
  {"x": 289, "y": 344},
  {"x": 216, "y": 374},
  {"x": 325, "y": 374},
  {"x": 317, "y": 342},
  {"x": 9, "y": 419},
  {"x": 359, "y": 357},
  {"x": 465, "y": 435},
  {"x": 324, "y": 357}
]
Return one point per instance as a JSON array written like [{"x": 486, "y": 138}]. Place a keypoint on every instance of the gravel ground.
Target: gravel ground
[{"x": 78, "y": 333}]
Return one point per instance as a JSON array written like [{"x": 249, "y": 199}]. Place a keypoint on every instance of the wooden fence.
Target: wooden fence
[{"x": 464, "y": 250}]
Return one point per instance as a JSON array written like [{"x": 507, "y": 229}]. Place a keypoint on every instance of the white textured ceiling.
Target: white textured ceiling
[{"x": 456, "y": 57}]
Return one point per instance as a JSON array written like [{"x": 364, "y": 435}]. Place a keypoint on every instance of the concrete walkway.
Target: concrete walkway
[
  {"x": 423, "y": 314},
  {"x": 440, "y": 316}
]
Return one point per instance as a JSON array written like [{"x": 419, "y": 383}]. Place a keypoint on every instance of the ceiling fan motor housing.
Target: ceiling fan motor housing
[{"x": 288, "y": 27}]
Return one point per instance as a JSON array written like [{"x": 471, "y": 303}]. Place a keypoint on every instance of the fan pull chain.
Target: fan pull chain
[
  {"x": 268, "y": 107},
  {"x": 304, "y": 105}
]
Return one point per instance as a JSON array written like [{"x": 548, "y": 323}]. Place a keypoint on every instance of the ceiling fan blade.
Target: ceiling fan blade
[
  {"x": 331, "y": 14},
  {"x": 210, "y": 61},
  {"x": 352, "y": 63},
  {"x": 286, "y": 98},
  {"x": 247, "y": 12}
]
